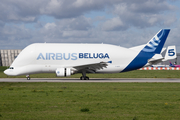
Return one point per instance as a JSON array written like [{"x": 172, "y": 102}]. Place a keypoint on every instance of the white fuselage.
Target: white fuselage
[{"x": 47, "y": 57}]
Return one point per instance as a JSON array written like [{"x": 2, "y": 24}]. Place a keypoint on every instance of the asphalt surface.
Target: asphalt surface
[{"x": 166, "y": 80}]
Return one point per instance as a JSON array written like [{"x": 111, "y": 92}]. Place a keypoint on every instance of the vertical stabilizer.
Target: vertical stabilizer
[
  {"x": 170, "y": 53},
  {"x": 154, "y": 46}
]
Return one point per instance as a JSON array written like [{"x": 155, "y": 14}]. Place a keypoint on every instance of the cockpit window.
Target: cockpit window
[{"x": 11, "y": 67}]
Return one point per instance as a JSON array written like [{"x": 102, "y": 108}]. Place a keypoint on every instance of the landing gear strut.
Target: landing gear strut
[
  {"x": 84, "y": 77},
  {"x": 28, "y": 77}
]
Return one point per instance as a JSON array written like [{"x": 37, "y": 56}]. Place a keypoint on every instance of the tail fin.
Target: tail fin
[
  {"x": 171, "y": 65},
  {"x": 156, "y": 44},
  {"x": 170, "y": 53}
]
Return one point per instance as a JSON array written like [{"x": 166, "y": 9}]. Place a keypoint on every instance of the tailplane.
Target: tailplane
[{"x": 171, "y": 65}]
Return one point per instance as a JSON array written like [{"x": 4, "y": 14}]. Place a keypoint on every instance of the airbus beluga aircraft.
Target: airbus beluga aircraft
[{"x": 68, "y": 59}]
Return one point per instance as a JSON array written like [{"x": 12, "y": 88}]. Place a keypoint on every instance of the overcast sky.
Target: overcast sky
[{"x": 126, "y": 23}]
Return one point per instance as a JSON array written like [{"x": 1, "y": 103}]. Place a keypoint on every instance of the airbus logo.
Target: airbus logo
[{"x": 71, "y": 56}]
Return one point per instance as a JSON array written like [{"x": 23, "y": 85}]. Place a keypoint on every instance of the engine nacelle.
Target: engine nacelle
[{"x": 63, "y": 72}]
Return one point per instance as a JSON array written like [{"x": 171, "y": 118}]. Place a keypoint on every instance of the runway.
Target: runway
[{"x": 148, "y": 80}]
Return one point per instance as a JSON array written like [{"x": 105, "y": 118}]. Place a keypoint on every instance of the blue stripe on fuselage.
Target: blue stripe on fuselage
[{"x": 139, "y": 61}]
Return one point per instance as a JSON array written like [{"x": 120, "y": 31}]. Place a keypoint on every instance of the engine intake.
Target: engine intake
[{"x": 63, "y": 72}]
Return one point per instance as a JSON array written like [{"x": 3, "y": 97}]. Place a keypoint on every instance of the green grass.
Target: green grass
[
  {"x": 85, "y": 101},
  {"x": 2, "y": 68},
  {"x": 131, "y": 74}
]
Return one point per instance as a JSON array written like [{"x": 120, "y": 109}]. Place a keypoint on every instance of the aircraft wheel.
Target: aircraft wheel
[
  {"x": 28, "y": 78},
  {"x": 84, "y": 78}
]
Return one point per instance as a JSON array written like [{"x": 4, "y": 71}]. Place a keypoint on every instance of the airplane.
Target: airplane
[
  {"x": 169, "y": 55},
  {"x": 67, "y": 59},
  {"x": 171, "y": 65}
]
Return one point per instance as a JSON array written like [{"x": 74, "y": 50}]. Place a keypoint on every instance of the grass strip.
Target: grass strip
[{"x": 80, "y": 101}]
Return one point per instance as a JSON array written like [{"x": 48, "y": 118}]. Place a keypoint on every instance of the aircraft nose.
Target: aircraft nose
[
  {"x": 10, "y": 72},
  {"x": 6, "y": 72}
]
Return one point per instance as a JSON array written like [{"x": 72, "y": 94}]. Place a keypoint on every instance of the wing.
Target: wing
[{"x": 91, "y": 68}]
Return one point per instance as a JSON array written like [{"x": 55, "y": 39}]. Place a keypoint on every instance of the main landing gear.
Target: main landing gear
[
  {"x": 28, "y": 77},
  {"x": 84, "y": 77}
]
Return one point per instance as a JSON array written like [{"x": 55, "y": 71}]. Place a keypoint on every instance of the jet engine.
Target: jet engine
[{"x": 63, "y": 72}]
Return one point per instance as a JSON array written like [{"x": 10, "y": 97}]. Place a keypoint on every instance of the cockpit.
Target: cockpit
[{"x": 11, "y": 67}]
